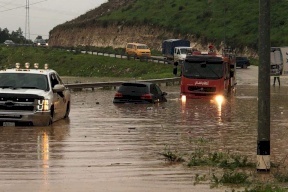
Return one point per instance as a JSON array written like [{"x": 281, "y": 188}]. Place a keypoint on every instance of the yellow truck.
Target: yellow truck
[{"x": 138, "y": 50}]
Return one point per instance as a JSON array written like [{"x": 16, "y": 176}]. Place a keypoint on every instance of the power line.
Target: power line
[
  {"x": 22, "y": 6},
  {"x": 5, "y": 4}
]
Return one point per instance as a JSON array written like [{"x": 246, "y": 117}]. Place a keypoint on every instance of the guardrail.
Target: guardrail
[
  {"x": 154, "y": 59},
  {"x": 114, "y": 84}
]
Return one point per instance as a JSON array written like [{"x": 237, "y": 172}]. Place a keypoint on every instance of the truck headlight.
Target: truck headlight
[
  {"x": 43, "y": 105},
  {"x": 219, "y": 99}
]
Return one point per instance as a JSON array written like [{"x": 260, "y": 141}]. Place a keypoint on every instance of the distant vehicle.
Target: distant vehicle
[
  {"x": 32, "y": 96},
  {"x": 138, "y": 50},
  {"x": 40, "y": 42},
  {"x": 176, "y": 50},
  {"x": 279, "y": 61},
  {"x": 139, "y": 92},
  {"x": 9, "y": 42},
  {"x": 242, "y": 62}
]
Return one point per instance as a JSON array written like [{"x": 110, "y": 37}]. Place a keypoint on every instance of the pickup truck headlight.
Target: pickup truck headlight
[{"x": 43, "y": 105}]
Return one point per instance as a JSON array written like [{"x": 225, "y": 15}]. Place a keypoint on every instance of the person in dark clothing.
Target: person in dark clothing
[
  {"x": 278, "y": 78},
  {"x": 277, "y": 74}
]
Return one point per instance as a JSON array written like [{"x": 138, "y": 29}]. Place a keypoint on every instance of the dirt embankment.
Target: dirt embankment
[{"x": 85, "y": 30}]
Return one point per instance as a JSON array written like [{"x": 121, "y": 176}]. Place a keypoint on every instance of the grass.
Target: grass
[
  {"x": 84, "y": 65},
  {"x": 227, "y": 169}
]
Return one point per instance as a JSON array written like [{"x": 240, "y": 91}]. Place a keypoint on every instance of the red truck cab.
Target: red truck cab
[{"x": 207, "y": 75}]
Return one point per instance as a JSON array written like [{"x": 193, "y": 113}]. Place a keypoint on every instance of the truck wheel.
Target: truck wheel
[
  {"x": 244, "y": 66},
  {"x": 51, "y": 116},
  {"x": 67, "y": 110}
]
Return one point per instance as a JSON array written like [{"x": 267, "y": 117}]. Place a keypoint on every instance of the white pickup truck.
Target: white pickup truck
[{"x": 35, "y": 97}]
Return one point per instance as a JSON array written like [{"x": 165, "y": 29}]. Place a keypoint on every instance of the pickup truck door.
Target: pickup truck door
[{"x": 58, "y": 98}]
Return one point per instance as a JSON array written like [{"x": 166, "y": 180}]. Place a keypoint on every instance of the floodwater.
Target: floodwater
[{"x": 108, "y": 147}]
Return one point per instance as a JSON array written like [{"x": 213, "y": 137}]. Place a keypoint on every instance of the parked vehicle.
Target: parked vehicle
[
  {"x": 139, "y": 92},
  {"x": 176, "y": 50},
  {"x": 138, "y": 50},
  {"x": 9, "y": 42},
  {"x": 242, "y": 62},
  {"x": 279, "y": 61},
  {"x": 208, "y": 74},
  {"x": 32, "y": 96}
]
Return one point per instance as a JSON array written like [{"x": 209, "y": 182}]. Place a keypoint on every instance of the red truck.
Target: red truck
[{"x": 207, "y": 74}]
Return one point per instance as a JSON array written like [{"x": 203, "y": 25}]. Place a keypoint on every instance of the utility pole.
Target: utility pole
[
  {"x": 27, "y": 20},
  {"x": 263, "y": 140}
]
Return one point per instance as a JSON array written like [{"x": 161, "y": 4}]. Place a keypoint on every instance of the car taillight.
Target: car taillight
[
  {"x": 146, "y": 96},
  {"x": 118, "y": 94}
]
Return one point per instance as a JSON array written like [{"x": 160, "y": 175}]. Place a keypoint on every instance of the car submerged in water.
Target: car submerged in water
[{"x": 139, "y": 92}]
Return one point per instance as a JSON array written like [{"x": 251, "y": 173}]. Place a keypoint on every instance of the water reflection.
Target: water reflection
[
  {"x": 29, "y": 148},
  {"x": 43, "y": 153}
]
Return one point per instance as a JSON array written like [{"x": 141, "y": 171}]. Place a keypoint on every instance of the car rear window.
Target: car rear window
[{"x": 133, "y": 88}]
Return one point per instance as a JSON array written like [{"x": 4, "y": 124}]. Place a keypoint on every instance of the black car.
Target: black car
[
  {"x": 242, "y": 62},
  {"x": 139, "y": 92}
]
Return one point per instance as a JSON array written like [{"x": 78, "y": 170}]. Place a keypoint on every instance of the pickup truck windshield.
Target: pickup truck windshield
[
  {"x": 203, "y": 70},
  {"x": 24, "y": 81}
]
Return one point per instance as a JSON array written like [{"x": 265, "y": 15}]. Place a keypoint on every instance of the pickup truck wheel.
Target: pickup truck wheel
[
  {"x": 51, "y": 116},
  {"x": 244, "y": 66},
  {"x": 67, "y": 110}
]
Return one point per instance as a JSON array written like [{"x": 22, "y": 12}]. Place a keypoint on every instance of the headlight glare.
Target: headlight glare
[{"x": 43, "y": 105}]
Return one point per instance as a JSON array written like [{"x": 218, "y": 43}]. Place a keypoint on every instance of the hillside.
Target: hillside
[{"x": 202, "y": 21}]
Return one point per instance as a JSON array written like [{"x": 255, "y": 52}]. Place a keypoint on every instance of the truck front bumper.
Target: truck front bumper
[{"x": 38, "y": 118}]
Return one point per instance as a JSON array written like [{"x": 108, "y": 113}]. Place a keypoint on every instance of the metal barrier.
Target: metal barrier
[{"x": 80, "y": 86}]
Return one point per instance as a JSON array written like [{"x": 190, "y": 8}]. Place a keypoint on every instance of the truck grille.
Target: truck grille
[
  {"x": 202, "y": 89},
  {"x": 18, "y": 102}
]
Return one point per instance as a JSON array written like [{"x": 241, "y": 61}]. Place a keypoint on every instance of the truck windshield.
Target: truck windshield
[
  {"x": 203, "y": 70},
  {"x": 185, "y": 50},
  {"x": 24, "y": 81},
  {"x": 142, "y": 47}
]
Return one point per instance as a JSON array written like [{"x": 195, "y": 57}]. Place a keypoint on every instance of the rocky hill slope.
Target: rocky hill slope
[
  {"x": 151, "y": 21},
  {"x": 87, "y": 30}
]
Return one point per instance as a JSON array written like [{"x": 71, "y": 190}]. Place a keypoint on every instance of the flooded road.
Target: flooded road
[{"x": 108, "y": 147}]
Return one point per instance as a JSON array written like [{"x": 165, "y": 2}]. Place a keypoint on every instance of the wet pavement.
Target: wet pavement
[{"x": 108, "y": 147}]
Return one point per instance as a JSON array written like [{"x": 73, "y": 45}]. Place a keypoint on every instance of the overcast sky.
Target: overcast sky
[{"x": 44, "y": 14}]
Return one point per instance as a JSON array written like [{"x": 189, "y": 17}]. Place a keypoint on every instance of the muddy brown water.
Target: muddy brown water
[{"x": 108, "y": 147}]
